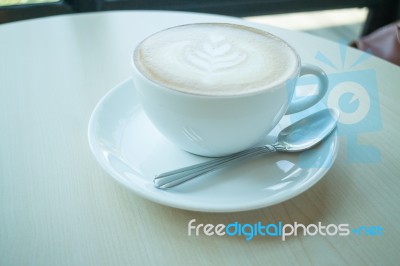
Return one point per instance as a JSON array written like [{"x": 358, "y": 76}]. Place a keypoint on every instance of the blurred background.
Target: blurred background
[
  {"x": 337, "y": 25},
  {"x": 337, "y": 20}
]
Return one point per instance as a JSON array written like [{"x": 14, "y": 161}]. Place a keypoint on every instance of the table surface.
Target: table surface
[{"x": 58, "y": 207}]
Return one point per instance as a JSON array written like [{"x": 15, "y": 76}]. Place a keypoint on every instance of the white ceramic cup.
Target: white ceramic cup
[{"x": 218, "y": 125}]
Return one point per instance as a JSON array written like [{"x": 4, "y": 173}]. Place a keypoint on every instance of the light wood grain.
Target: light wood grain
[{"x": 58, "y": 207}]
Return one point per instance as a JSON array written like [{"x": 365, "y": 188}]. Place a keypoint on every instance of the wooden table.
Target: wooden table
[{"x": 58, "y": 207}]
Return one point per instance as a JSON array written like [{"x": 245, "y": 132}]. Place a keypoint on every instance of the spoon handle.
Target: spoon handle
[{"x": 173, "y": 178}]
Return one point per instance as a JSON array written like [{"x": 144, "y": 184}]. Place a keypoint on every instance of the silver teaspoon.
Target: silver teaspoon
[{"x": 299, "y": 136}]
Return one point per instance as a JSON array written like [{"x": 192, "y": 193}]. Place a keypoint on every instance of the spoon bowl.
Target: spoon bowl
[{"x": 308, "y": 131}]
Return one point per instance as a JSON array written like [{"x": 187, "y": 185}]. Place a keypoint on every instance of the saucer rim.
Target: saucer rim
[{"x": 201, "y": 207}]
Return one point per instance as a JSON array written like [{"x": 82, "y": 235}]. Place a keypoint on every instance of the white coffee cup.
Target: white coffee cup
[{"x": 202, "y": 85}]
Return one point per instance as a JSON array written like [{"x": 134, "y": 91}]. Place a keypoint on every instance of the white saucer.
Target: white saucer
[{"x": 132, "y": 151}]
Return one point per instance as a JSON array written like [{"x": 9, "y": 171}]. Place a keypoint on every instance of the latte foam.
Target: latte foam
[{"x": 215, "y": 59}]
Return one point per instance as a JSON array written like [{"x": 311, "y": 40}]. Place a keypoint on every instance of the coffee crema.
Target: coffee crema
[{"x": 215, "y": 59}]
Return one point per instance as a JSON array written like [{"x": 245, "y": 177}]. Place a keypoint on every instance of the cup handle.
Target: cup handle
[{"x": 301, "y": 103}]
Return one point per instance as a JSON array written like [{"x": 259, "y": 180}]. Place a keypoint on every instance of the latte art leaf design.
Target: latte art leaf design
[
  {"x": 214, "y": 54},
  {"x": 215, "y": 59}
]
